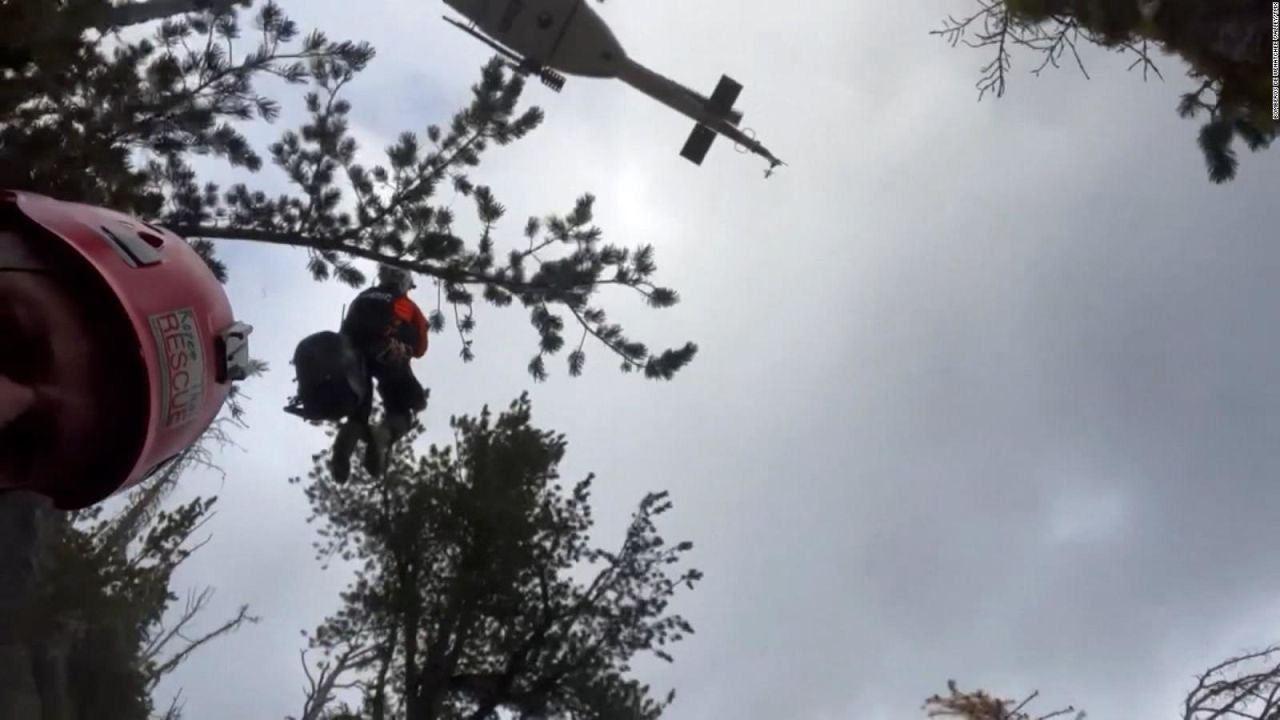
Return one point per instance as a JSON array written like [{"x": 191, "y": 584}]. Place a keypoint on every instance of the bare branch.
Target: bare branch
[
  {"x": 1246, "y": 686},
  {"x": 980, "y": 705},
  {"x": 195, "y": 604},
  {"x": 242, "y": 616},
  {"x": 320, "y": 694},
  {"x": 996, "y": 25},
  {"x": 174, "y": 711}
]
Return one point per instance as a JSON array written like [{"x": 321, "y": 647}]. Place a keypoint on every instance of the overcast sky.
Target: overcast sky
[{"x": 985, "y": 390}]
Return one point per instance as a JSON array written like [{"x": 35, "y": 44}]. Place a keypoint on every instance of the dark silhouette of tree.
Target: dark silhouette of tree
[
  {"x": 136, "y": 12},
  {"x": 1223, "y": 42},
  {"x": 1242, "y": 687},
  {"x": 94, "y": 117},
  {"x": 479, "y": 591},
  {"x": 98, "y": 632}
]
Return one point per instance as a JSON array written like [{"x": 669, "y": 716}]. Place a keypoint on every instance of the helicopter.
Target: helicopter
[{"x": 545, "y": 38}]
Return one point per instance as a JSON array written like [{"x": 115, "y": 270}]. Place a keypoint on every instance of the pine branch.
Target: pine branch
[
  {"x": 440, "y": 167},
  {"x": 448, "y": 274},
  {"x": 1222, "y": 46},
  {"x": 143, "y": 504},
  {"x": 615, "y": 346}
]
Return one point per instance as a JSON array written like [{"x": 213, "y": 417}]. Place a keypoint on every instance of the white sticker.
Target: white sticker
[{"x": 179, "y": 349}]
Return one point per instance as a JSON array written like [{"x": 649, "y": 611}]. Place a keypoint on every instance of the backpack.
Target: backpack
[
  {"x": 330, "y": 373},
  {"x": 370, "y": 317}
]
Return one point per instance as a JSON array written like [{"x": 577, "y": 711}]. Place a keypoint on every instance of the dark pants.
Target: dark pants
[
  {"x": 402, "y": 395},
  {"x": 402, "y": 398}
]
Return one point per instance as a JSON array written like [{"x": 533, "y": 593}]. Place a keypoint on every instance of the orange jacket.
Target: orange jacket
[{"x": 410, "y": 318}]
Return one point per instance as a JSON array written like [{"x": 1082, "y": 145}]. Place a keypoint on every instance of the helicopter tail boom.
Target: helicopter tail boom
[{"x": 683, "y": 100}]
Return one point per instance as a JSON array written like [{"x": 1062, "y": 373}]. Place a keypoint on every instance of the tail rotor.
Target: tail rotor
[{"x": 743, "y": 149}]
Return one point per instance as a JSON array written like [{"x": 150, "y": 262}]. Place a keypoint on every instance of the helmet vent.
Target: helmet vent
[{"x": 134, "y": 247}]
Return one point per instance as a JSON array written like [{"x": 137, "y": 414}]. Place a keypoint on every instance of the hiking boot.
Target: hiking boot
[
  {"x": 376, "y": 449},
  {"x": 343, "y": 445}
]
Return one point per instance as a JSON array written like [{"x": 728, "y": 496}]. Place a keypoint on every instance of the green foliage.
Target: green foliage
[
  {"x": 468, "y": 584},
  {"x": 102, "y": 626},
  {"x": 1215, "y": 142},
  {"x": 98, "y": 606},
  {"x": 91, "y": 117},
  {"x": 99, "y": 624},
  {"x": 1223, "y": 43}
]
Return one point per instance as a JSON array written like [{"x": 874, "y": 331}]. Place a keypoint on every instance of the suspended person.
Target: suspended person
[{"x": 387, "y": 329}]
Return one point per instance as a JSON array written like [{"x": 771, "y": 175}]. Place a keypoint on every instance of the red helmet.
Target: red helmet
[{"x": 186, "y": 339}]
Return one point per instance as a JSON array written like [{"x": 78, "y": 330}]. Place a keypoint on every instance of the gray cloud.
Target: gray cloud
[{"x": 985, "y": 390}]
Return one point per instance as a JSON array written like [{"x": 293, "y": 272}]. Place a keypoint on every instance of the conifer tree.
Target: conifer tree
[
  {"x": 101, "y": 628},
  {"x": 89, "y": 115},
  {"x": 1224, "y": 43},
  {"x": 478, "y": 589}
]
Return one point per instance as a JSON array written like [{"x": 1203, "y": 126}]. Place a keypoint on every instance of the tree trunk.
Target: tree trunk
[
  {"x": 23, "y": 516},
  {"x": 19, "y": 696},
  {"x": 387, "y": 654},
  {"x": 411, "y": 617},
  {"x": 50, "y": 661}
]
